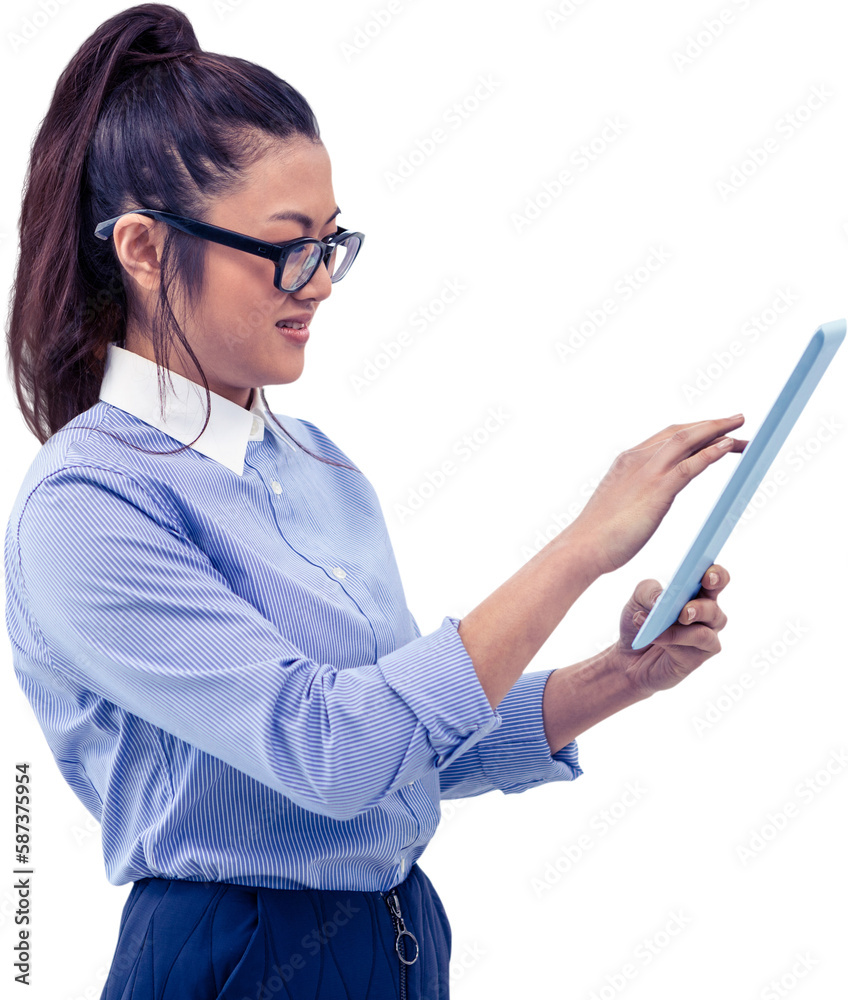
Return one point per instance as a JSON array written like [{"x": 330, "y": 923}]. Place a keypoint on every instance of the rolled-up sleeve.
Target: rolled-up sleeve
[
  {"x": 134, "y": 611},
  {"x": 516, "y": 756}
]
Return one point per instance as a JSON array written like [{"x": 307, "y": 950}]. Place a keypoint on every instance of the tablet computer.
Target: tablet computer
[{"x": 754, "y": 462}]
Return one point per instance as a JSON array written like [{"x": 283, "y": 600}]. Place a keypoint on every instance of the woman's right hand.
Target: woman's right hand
[{"x": 636, "y": 493}]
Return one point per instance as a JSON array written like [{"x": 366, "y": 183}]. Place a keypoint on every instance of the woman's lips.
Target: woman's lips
[{"x": 295, "y": 336}]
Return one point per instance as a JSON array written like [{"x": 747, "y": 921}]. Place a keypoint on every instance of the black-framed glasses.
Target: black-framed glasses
[{"x": 295, "y": 261}]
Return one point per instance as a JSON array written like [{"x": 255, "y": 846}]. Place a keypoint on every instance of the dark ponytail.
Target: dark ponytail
[{"x": 141, "y": 117}]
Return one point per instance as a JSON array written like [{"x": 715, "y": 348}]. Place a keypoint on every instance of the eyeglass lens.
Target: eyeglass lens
[{"x": 300, "y": 262}]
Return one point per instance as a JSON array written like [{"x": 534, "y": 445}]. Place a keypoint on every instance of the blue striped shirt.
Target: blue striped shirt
[{"x": 217, "y": 646}]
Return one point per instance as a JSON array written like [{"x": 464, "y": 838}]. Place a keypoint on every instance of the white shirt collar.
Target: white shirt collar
[{"x": 130, "y": 382}]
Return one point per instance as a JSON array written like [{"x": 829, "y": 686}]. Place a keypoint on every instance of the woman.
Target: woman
[{"x": 204, "y": 607}]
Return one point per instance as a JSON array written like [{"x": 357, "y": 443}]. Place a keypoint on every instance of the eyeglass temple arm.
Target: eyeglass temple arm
[
  {"x": 205, "y": 230},
  {"x": 226, "y": 237}
]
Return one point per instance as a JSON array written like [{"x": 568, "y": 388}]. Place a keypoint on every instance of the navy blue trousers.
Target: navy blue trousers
[{"x": 185, "y": 940}]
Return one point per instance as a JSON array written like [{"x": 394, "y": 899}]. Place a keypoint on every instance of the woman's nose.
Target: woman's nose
[{"x": 318, "y": 287}]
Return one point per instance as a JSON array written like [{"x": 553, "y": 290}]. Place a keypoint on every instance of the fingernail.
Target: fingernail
[
  {"x": 690, "y": 614},
  {"x": 713, "y": 579},
  {"x": 726, "y": 443},
  {"x": 639, "y": 617}
]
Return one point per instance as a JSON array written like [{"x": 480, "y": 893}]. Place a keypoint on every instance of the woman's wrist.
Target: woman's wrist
[
  {"x": 582, "y": 537},
  {"x": 581, "y": 695}
]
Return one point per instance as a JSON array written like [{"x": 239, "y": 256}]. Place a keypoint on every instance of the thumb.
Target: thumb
[{"x": 644, "y": 597}]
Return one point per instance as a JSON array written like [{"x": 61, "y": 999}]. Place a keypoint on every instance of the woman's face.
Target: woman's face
[{"x": 233, "y": 332}]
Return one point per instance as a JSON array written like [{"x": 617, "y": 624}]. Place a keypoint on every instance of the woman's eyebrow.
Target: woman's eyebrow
[{"x": 304, "y": 220}]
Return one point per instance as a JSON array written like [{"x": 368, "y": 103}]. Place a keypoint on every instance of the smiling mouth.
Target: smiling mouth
[{"x": 296, "y": 334}]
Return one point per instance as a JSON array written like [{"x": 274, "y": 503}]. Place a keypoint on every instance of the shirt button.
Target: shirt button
[
  {"x": 275, "y": 486},
  {"x": 338, "y": 572}
]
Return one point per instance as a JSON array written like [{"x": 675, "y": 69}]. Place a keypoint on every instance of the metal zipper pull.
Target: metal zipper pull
[{"x": 393, "y": 902}]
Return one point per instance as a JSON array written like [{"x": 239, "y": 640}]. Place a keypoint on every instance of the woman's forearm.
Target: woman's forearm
[
  {"x": 504, "y": 632},
  {"x": 579, "y": 696}
]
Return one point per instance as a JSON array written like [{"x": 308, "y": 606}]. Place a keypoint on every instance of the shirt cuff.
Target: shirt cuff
[
  {"x": 518, "y": 755},
  {"x": 441, "y": 687}
]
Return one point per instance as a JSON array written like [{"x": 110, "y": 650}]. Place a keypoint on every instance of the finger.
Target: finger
[
  {"x": 698, "y": 636},
  {"x": 668, "y": 432},
  {"x": 687, "y": 469},
  {"x": 691, "y": 439},
  {"x": 736, "y": 444},
  {"x": 705, "y": 612},
  {"x": 714, "y": 580}
]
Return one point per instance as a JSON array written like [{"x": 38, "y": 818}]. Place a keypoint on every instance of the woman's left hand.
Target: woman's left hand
[{"x": 683, "y": 647}]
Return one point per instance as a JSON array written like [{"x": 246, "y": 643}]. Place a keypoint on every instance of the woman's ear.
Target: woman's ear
[{"x": 138, "y": 244}]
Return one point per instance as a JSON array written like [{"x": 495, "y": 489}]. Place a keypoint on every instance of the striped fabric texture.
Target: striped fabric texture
[{"x": 218, "y": 649}]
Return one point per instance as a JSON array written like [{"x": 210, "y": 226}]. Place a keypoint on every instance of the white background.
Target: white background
[{"x": 690, "y": 109}]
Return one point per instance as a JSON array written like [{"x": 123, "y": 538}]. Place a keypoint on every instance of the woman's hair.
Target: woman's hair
[{"x": 141, "y": 117}]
